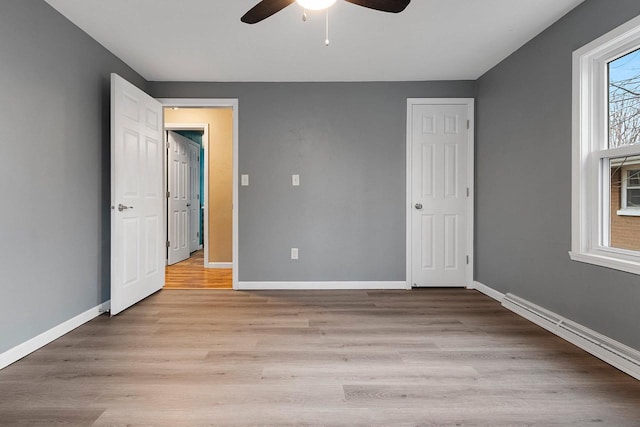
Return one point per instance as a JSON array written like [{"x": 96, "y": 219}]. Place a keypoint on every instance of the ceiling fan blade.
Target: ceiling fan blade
[
  {"x": 265, "y": 9},
  {"x": 393, "y": 6}
]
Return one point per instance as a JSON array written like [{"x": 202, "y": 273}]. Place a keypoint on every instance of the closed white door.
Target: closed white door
[
  {"x": 178, "y": 209},
  {"x": 137, "y": 236},
  {"x": 440, "y": 191},
  {"x": 194, "y": 196}
]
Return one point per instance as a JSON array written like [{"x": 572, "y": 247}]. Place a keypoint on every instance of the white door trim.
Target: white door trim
[
  {"x": 470, "y": 103},
  {"x": 213, "y": 103},
  {"x": 204, "y": 128}
]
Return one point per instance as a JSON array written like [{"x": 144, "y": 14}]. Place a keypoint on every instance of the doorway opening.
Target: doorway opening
[
  {"x": 201, "y": 193},
  {"x": 185, "y": 189}
]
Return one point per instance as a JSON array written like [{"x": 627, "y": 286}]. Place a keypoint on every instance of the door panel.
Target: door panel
[
  {"x": 427, "y": 233},
  {"x": 137, "y": 252},
  {"x": 439, "y": 144},
  {"x": 179, "y": 213}
]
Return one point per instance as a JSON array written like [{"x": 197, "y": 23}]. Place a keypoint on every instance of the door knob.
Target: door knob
[
  {"x": 418, "y": 206},
  {"x": 122, "y": 207},
  {"x": 188, "y": 205}
]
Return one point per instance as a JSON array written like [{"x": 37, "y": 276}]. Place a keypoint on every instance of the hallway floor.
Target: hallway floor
[{"x": 191, "y": 274}]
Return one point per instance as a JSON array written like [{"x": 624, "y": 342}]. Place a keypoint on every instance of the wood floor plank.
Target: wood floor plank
[
  {"x": 436, "y": 357},
  {"x": 47, "y": 417}
]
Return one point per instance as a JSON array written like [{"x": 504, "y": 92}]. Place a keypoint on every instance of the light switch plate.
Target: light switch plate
[
  {"x": 294, "y": 253},
  {"x": 244, "y": 180},
  {"x": 295, "y": 180}
]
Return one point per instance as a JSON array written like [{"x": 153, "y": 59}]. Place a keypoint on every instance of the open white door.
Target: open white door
[
  {"x": 194, "y": 196},
  {"x": 137, "y": 236},
  {"x": 179, "y": 213}
]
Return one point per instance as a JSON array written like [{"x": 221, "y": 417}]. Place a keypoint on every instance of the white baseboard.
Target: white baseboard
[
  {"x": 255, "y": 286},
  {"x": 28, "y": 347},
  {"x": 607, "y": 349},
  {"x": 498, "y": 296},
  {"x": 219, "y": 265}
]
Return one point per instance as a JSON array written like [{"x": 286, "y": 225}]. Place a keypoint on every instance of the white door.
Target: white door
[
  {"x": 137, "y": 224},
  {"x": 178, "y": 209},
  {"x": 440, "y": 191},
  {"x": 194, "y": 196}
]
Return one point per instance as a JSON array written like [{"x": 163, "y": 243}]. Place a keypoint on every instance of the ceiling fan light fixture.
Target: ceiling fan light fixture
[{"x": 316, "y": 4}]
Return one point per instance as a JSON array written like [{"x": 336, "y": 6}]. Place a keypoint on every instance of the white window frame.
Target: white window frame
[
  {"x": 590, "y": 177},
  {"x": 626, "y": 210}
]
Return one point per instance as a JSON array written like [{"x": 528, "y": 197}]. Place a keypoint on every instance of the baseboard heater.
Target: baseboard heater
[{"x": 616, "y": 354}]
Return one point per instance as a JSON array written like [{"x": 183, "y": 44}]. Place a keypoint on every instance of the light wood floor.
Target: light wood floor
[
  {"x": 306, "y": 358},
  {"x": 191, "y": 274}
]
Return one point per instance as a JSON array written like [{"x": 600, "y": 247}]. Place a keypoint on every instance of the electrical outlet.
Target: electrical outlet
[
  {"x": 295, "y": 180},
  {"x": 244, "y": 180},
  {"x": 294, "y": 253}
]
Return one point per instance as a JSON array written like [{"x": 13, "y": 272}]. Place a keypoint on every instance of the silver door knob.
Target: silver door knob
[
  {"x": 418, "y": 206},
  {"x": 122, "y": 207}
]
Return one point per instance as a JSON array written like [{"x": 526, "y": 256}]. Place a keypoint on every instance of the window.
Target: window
[
  {"x": 631, "y": 186},
  {"x": 626, "y": 181},
  {"x": 606, "y": 150}
]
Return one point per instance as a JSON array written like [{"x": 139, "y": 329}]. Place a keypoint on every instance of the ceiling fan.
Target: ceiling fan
[{"x": 266, "y": 8}]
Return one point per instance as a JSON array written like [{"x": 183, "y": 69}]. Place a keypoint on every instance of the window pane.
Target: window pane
[
  {"x": 633, "y": 178},
  {"x": 624, "y": 100},
  {"x": 633, "y": 198},
  {"x": 624, "y": 227}
]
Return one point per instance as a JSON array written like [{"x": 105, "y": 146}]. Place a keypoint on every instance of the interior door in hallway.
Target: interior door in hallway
[
  {"x": 439, "y": 194},
  {"x": 194, "y": 197},
  {"x": 178, "y": 198},
  {"x": 137, "y": 199}
]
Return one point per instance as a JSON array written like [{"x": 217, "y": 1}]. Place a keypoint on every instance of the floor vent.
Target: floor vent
[{"x": 616, "y": 354}]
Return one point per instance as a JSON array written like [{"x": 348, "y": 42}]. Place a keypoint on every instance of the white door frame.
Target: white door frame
[
  {"x": 217, "y": 103},
  {"x": 470, "y": 103},
  {"x": 204, "y": 128}
]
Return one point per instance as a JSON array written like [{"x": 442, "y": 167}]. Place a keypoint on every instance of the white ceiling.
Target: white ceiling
[{"x": 204, "y": 40}]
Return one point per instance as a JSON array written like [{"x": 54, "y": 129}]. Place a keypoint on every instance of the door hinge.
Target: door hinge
[
  {"x": 197, "y": 234},
  {"x": 468, "y": 124},
  {"x": 168, "y": 144},
  {"x": 467, "y": 259},
  {"x": 168, "y": 194},
  {"x": 168, "y": 244},
  {"x": 468, "y": 192},
  {"x": 198, "y": 197}
]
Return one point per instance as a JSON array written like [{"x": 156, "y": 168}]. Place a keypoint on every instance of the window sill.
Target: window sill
[
  {"x": 606, "y": 261},
  {"x": 628, "y": 212}
]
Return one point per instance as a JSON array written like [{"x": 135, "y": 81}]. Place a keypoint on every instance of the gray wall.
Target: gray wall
[
  {"x": 54, "y": 179},
  {"x": 523, "y": 221},
  {"x": 347, "y": 142}
]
